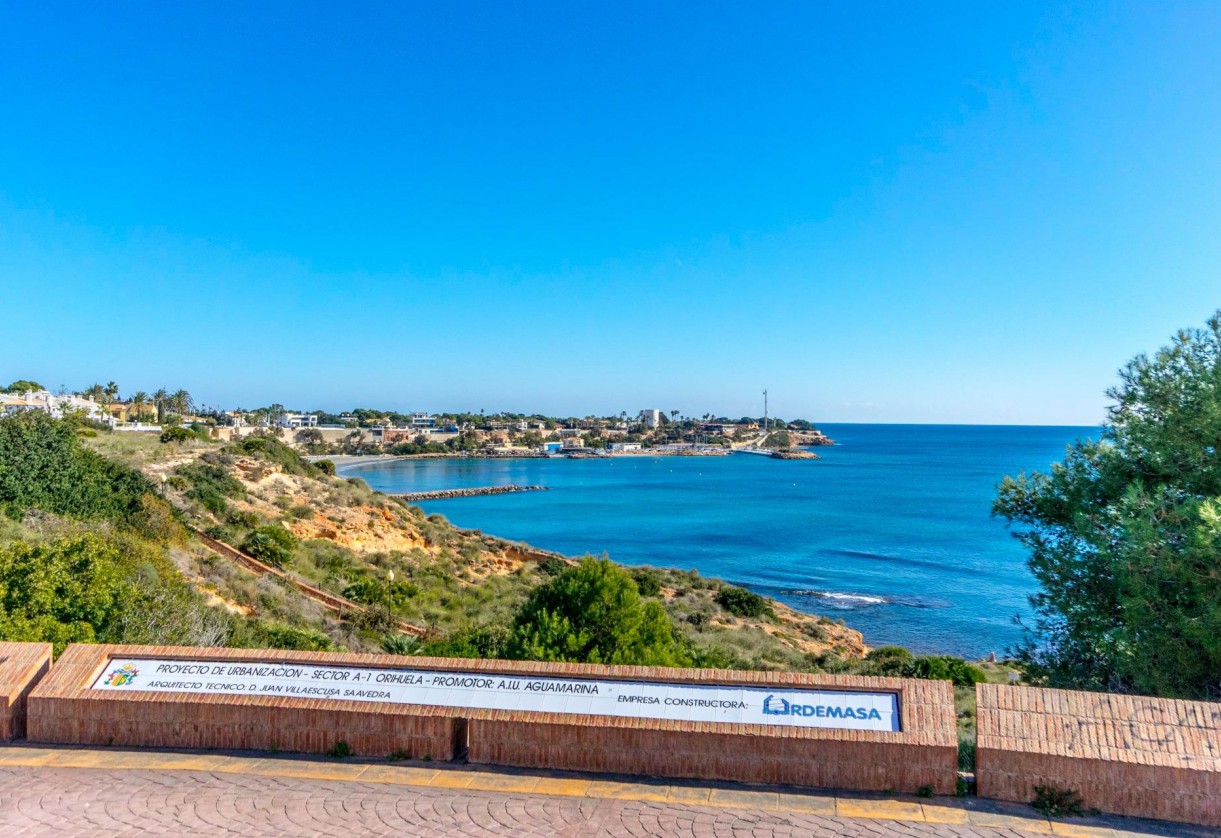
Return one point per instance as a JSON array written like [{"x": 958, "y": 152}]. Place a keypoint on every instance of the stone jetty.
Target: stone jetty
[{"x": 443, "y": 494}]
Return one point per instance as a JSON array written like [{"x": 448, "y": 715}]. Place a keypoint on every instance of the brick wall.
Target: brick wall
[
  {"x": 63, "y": 709},
  {"x": 21, "y": 666},
  {"x": 1146, "y": 757},
  {"x": 924, "y": 752}
]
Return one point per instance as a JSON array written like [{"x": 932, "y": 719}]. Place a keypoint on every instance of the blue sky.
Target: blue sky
[{"x": 896, "y": 212}]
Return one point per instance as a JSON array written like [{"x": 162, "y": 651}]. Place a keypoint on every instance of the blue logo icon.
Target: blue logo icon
[{"x": 770, "y": 710}]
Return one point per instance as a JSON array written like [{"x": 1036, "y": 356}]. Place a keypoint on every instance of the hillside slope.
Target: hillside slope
[{"x": 350, "y": 538}]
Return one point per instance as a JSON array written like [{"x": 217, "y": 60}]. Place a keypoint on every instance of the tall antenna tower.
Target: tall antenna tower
[{"x": 765, "y": 422}]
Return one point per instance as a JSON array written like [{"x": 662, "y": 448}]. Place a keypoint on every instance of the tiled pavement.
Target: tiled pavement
[{"x": 64, "y": 791}]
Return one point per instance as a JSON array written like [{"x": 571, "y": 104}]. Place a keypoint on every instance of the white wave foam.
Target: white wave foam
[{"x": 843, "y": 600}]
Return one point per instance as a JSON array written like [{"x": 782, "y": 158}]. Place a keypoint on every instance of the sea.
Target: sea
[{"x": 890, "y": 530}]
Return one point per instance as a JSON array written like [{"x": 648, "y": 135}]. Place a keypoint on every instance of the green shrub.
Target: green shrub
[
  {"x": 176, "y": 435},
  {"x": 593, "y": 613},
  {"x": 271, "y": 450},
  {"x": 210, "y": 483},
  {"x": 378, "y": 592},
  {"x": 469, "y": 642},
  {"x": 888, "y": 661},
  {"x": 271, "y": 544},
  {"x": 299, "y": 639},
  {"x": 401, "y": 644},
  {"x": 245, "y": 519},
  {"x": 327, "y": 467},
  {"x": 43, "y": 465},
  {"x": 69, "y": 591},
  {"x": 340, "y": 750},
  {"x": 646, "y": 581},
  {"x": 1057, "y": 802},
  {"x": 946, "y": 668},
  {"x": 553, "y": 566},
  {"x": 743, "y": 603}
]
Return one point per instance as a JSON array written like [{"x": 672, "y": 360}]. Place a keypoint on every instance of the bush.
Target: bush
[
  {"x": 946, "y": 668},
  {"x": 271, "y": 544},
  {"x": 888, "y": 661},
  {"x": 1057, "y": 802},
  {"x": 327, "y": 467},
  {"x": 469, "y": 642},
  {"x": 272, "y": 450},
  {"x": 401, "y": 644},
  {"x": 593, "y": 613},
  {"x": 553, "y": 566},
  {"x": 70, "y": 591},
  {"x": 176, "y": 435},
  {"x": 246, "y": 520},
  {"x": 43, "y": 465},
  {"x": 340, "y": 750},
  {"x": 211, "y": 484},
  {"x": 743, "y": 603},
  {"x": 646, "y": 581},
  {"x": 299, "y": 639},
  {"x": 377, "y": 592}
]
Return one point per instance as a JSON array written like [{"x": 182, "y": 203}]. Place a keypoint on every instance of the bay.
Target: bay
[{"x": 891, "y": 530}]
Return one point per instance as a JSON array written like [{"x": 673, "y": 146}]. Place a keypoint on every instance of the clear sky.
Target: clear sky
[{"x": 888, "y": 212}]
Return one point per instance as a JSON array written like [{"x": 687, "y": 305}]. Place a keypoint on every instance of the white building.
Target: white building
[
  {"x": 293, "y": 421},
  {"x": 57, "y": 406},
  {"x": 622, "y": 447},
  {"x": 650, "y": 418}
]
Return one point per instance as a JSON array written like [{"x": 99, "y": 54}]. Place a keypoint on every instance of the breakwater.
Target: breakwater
[{"x": 442, "y": 494}]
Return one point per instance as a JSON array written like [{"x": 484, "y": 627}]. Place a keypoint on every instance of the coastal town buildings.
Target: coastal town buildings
[
  {"x": 56, "y": 406},
  {"x": 292, "y": 421}
]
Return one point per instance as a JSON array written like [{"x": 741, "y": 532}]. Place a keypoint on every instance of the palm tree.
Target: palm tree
[
  {"x": 160, "y": 397},
  {"x": 111, "y": 391},
  {"x": 138, "y": 400},
  {"x": 95, "y": 392},
  {"x": 181, "y": 402}
]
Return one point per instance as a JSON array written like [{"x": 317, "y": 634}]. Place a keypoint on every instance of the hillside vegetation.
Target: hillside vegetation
[{"x": 116, "y": 511}]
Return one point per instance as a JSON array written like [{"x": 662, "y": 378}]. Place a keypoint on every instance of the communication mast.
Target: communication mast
[{"x": 765, "y": 422}]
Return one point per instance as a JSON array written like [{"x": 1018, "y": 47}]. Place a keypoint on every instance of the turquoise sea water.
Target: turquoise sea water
[{"x": 891, "y": 530}]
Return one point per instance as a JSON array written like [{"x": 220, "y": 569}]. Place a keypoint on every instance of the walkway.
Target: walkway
[{"x": 63, "y": 791}]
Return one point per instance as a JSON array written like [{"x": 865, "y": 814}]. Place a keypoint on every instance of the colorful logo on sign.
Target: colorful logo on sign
[{"x": 122, "y": 676}]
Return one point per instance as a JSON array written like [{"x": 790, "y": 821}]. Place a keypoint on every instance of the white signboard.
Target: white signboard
[{"x": 632, "y": 699}]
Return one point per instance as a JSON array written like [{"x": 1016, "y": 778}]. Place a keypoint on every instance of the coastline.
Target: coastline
[
  {"x": 945, "y": 580},
  {"x": 344, "y": 462}
]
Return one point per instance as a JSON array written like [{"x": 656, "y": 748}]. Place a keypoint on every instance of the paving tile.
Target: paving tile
[
  {"x": 1074, "y": 830},
  {"x": 764, "y": 801},
  {"x": 210, "y": 794},
  {"x": 628, "y": 791},
  {"x": 807, "y": 804},
  {"x": 898, "y": 810},
  {"x": 406, "y": 775},
  {"x": 1002, "y": 821},
  {"x": 562, "y": 786},
  {"x": 943, "y": 813}
]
